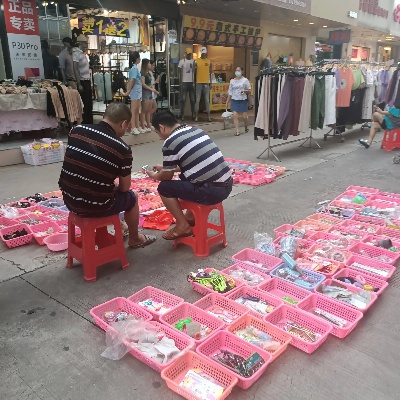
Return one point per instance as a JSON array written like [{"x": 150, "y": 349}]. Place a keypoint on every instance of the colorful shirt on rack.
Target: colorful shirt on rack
[
  {"x": 344, "y": 92},
  {"x": 393, "y": 119},
  {"x": 358, "y": 79},
  {"x": 236, "y": 87}
]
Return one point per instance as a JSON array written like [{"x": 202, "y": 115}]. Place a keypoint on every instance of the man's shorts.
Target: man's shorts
[
  {"x": 200, "y": 193},
  {"x": 123, "y": 201}
]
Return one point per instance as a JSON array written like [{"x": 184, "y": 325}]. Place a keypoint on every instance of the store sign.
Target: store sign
[
  {"x": 103, "y": 26},
  {"x": 219, "y": 95},
  {"x": 218, "y": 33},
  {"x": 339, "y": 36},
  {"x": 375, "y": 14},
  {"x": 395, "y": 22},
  {"x": 373, "y": 7},
  {"x": 296, "y": 5},
  {"x": 22, "y": 27}
]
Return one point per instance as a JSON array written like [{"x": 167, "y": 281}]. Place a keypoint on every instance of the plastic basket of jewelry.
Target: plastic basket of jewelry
[
  {"x": 195, "y": 377},
  {"x": 308, "y": 332},
  {"x": 192, "y": 321},
  {"x": 262, "y": 334},
  {"x": 376, "y": 253},
  {"x": 312, "y": 226},
  {"x": 346, "y": 232},
  {"x": 247, "y": 361},
  {"x": 371, "y": 267},
  {"x": 291, "y": 230},
  {"x": 346, "y": 205},
  {"x": 16, "y": 235},
  {"x": 338, "y": 212},
  {"x": 32, "y": 219},
  {"x": 368, "y": 220},
  {"x": 43, "y": 230},
  {"x": 52, "y": 203},
  {"x": 5, "y": 222},
  {"x": 321, "y": 265},
  {"x": 256, "y": 260},
  {"x": 342, "y": 318},
  {"x": 363, "y": 189},
  {"x": 155, "y": 301},
  {"x": 115, "y": 310},
  {"x": 339, "y": 242},
  {"x": 301, "y": 245},
  {"x": 330, "y": 252},
  {"x": 247, "y": 275},
  {"x": 325, "y": 219},
  {"x": 351, "y": 196},
  {"x": 383, "y": 241},
  {"x": 362, "y": 227}
]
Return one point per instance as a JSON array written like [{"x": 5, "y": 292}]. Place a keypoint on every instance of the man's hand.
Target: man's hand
[
  {"x": 80, "y": 88},
  {"x": 157, "y": 167},
  {"x": 152, "y": 174}
]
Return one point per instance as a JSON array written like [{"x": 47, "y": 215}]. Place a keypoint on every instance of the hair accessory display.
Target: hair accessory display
[{"x": 212, "y": 280}]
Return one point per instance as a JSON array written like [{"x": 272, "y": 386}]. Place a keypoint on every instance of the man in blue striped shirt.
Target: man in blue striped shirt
[{"x": 205, "y": 177}]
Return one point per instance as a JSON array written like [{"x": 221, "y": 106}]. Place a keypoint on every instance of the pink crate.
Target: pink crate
[
  {"x": 376, "y": 283},
  {"x": 280, "y": 289},
  {"x": 376, "y": 253},
  {"x": 303, "y": 245},
  {"x": 235, "y": 267},
  {"x": 331, "y": 237},
  {"x": 116, "y": 305},
  {"x": 5, "y": 222},
  {"x": 362, "y": 189},
  {"x": 212, "y": 301},
  {"x": 368, "y": 220},
  {"x": 385, "y": 199},
  {"x": 167, "y": 299},
  {"x": 382, "y": 204},
  {"x": 347, "y": 205},
  {"x": 325, "y": 219},
  {"x": 43, "y": 227},
  {"x": 351, "y": 288},
  {"x": 388, "y": 194},
  {"x": 30, "y": 219},
  {"x": 374, "y": 238},
  {"x": 351, "y": 194},
  {"x": 249, "y": 257},
  {"x": 56, "y": 215},
  {"x": 21, "y": 211},
  {"x": 182, "y": 342},
  {"x": 385, "y": 270},
  {"x": 284, "y": 230},
  {"x": 304, "y": 319},
  {"x": 317, "y": 301},
  {"x": 305, "y": 261},
  {"x": 312, "y": 225},
  {"x": 277, "y": 334},
  {"x": 265, "y": 297},
  {"x": 203, "y": 290},
  {"x": 230, "y": 342},
  {"x": 392, "y": 233},
  {"x": 174, "y": 374},
  {"x": 320, "y": 246},
  {"x": 345, "y": 231},
  {"x": 187, "y": 310},
  {"x": 20, "y": 241}
]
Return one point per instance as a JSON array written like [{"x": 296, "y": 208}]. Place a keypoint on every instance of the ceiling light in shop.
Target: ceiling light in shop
[
  {"x": 295, "y": 20},
  {"x": 325, "y": 26},
  {"x": 311, "y": 23},
  {"x": 379, "y": 40}
]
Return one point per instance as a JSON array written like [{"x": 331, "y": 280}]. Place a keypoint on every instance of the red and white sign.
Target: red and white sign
[{"x": 21, "y": 17}]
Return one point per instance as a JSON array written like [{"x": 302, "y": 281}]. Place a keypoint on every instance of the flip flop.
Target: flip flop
[
  {"x": 175, "y": 233},
  {"x": 149, "y": 240}
]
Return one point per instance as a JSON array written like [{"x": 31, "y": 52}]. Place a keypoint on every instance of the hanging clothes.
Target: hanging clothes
[
  {"x": 344, "y": 92},
  {"x": 369, "y": 96},
  {"x": 305, "y": 113},
  {"x": 384, "y": 79},
  {"x": 358, "y": 79},
  {"x": 318, "y": 103},
  {"x": 330, "y": 100},
  {"x": 353, "y": 114},
  {"x": 292, "y": 123},
  {"x": 393, "y": 88}
]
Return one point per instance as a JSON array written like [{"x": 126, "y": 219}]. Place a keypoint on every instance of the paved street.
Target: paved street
[{"x": 50, "y": 349}]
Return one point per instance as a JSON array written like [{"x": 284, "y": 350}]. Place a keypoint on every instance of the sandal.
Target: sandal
[
  {"x": 149, "y": 240},
  {"x": 190, "y": 221},
  {"x": 237, "y": 134},
  {"x": 176, "y": 233},
  {"x": 246, "y": 129}
]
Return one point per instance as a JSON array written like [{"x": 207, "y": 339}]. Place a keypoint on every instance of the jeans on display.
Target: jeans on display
[
  {"x": 187, "y": 87},
  {"x": 205, "y": 89},
  {"x": 87, "y": 100}
]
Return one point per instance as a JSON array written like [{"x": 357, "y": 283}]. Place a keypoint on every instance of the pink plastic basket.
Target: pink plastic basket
[
  {"x": 235, "y": 267},
  {"x": 362, "y": 189},
  {"x": 385, "y": 199},
  {"x": 182, "y": 342},
  {"x": 388, "y": 194},
  {"x": 309, "y": 262},
  {"x": 173, "y": 375},
  {"x": 36, "y": 230},
  {"x": 345, "y": 231},
  {"x": 368, "y": 220},
  {"x": 324, "y": 219},
  {"x": 230, "y": 342},
  {"x": 167, "y": 299},
  {"x": 20, "y": 241},
  {"x": 312, "y": 225},
  {"x": 56, "y": 215},
  {"x": 212, "y": 301},
  {"x": 374, "y": 238},
  {"x": 21, "y": 211},
  {"x": 6, "y": 222},
  {"x": 385, "y": 270},
  {"x": 196, "y": 314},
  {"x": 317, "y": 301},
  {"x": 56, "y": 193},
  {"x": 376, "y": 253},
  {"x": 32, "y": 219},
  {"x": 265, "y": 297},
  {"x": 281, "y": 289},
  {"x": 379, "y": 284},
  {"x": 277, "y": 334},
  {"x": 382, "y": 204},
  {"x": 304, "y": 319},
  {"x": 116, "y": 305},
  {"x": 362, "y": 227},
  {"x": 249, "y": 257},
  {"x": 284, "y": 230},
  {"x": 351, "y": 194},
  {"x": 347, "y": 205},
  {"x": 303, "y": 245},
  {"x": 203, "y": 290},
  {"x": 325, "y": 236},
  {"x": 392, "y": 233},
  {"x": 334, "y": 257}
]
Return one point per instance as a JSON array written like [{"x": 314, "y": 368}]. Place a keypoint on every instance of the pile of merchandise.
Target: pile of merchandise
[{"x": 318, "y": 277}]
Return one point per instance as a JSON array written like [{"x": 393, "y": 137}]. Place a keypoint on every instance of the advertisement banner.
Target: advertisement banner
[
  {"x": 395, "y": 19},
  {"x": 219, "y": 33},
  {"x": 219, "y": 95},
  {"x": 339, "y": 36},
  {"x": 296, "y": 5},
  {"x": 103, "y": 26},
  {"x": 375, "y": 14}
]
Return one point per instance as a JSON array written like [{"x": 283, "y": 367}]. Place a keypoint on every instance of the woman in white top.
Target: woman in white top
[{"x": 239, "y": 88}]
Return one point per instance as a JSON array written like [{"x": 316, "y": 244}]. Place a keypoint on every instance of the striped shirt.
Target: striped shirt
[
  {"x": 197, "y": 156},
  {"x": 94, "y": 158}
]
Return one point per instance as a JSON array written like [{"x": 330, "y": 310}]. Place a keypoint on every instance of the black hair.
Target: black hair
[
  {"x": 45, "y": 44},
  {"x": 164, "y": 118},
  {"x": 145, "y": 63},
  {"x": 118, "y": 112},
  {"x": 133, "y": 57},
  {"x": 151, "y": 62},
  {"x": 239, "y": 66}
]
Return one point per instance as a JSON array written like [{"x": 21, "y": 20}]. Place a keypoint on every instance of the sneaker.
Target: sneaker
[
  {"x": 141, "y": 130},
  {"x": 135, "y": 131},
  {"x": 364, "y": 143},
  {"x": 152, "y": 128},
  {"x": 147, "y": 130}
]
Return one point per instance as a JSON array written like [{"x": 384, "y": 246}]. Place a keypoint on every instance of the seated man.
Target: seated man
[
  {"x": 382, "y": 119},
  {"x": 205, "y": 176},
  {"x": 95, "y": 156}
]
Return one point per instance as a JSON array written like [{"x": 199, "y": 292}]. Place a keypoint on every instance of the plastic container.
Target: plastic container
[
  {"x": 303, "y": 245},
  {"x": 338, "y": 257},
  {"x": 281, "y": 289},
  {"x": 389, "y": 195},
  {"x": 6, "y": 222},
  {"x": 32, "y": 219},
  {"x": 375, "y": 238},
  {"x": 369, "y": 280},
  {"x": 230, "y": 342},
  {"x": 277, "y": 334},
  {"x": 44, "y": 227},
  {"x": 330, "y": 237},
  {"x": 324, "y": 219},
  {"x": 312, "y": 225},
  {"x": 387, "y": 270},
  {"x": 182, "y": 342},
  {"x": 257, "y": 257},
  {"x": 392, "y": 233},
  {"x": 57, "y": 241},
  {"x": 368, "y": 220},
  {"x": 362, "y": 189},
  {"x": 116, "y": 305},
  {"x": 187, "y": 310},
  {"x": 351, "y": 194},
  {"x": 169, "y": 300},
  {"x": 391, "y": 201},
  {"x": 212, "y": 301},
  {"x": 56, "y": 193},
  {"x": 56, "y": 215},
  {"x": 174, "y": 373},
  {"x": 20, "y": 211},
  {"x": 303, "y": 263},
  {"x": 284, "y": 230},
  {"x": 317, "y": 301},
  {"x": 376, "y": 253},
  {"x": 52, "y": 203},
  {"x": 20, "y": 241},
  {"x": 203, "y": 290},
  {"x": 304, "y": 319},
  {"x": 235, "y": 267},
  {"x": 347, "y": 205},
  {"x": 345, "y": 231}
]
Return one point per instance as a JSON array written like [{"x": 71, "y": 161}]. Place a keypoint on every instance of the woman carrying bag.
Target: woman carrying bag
[{"x": 239, "y": 88}]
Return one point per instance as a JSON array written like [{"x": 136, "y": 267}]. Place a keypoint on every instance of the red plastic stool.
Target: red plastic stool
[
  {"x": 95, "y": 246},
  {"x": 201, "y": 242},
  {"x": 391, "y": 140}
]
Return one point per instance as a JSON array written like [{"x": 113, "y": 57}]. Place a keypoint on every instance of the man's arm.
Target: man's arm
[
  {"x": 61, "y": 60},
  {"x": 161, "y": 175},
  {"x": 77, "y": 75},
  {"x": 124, "y": 183}
]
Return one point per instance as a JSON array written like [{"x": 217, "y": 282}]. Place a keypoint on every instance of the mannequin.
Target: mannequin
[
  {"x": 186, "y": 74},
  {"x": 202, "y": 78}
]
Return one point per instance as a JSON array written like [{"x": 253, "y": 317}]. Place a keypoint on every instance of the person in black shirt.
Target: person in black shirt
[{"x": 50, "y": 62}]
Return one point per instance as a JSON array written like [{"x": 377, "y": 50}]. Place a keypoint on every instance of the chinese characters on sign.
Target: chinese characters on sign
[
  {"x": 103, "y": 26},
  {"x": 211, "y": 32},
  {"x": 339, "y": 36},
  {"x": 21, "y": 17},
  {"x": 372, "y": 7}
]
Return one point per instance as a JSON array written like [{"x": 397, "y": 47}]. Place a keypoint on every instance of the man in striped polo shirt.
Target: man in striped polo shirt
[
  {"x": 95, "y": 156},
  {"x": 205, "y": 176}
]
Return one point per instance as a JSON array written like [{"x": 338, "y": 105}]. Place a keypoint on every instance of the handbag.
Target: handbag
[{"x": 227, "y": 114}]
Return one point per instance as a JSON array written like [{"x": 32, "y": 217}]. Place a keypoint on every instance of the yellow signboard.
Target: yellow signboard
[{"x": 219, "y": 95}]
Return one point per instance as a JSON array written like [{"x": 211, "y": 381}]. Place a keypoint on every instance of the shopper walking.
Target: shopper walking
[
  {"x": 239, "y": 88},
  {"x": 67, "y": 64},
  {"x": 50, "y": 61},
  {"x": 147, "y": 95}
]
